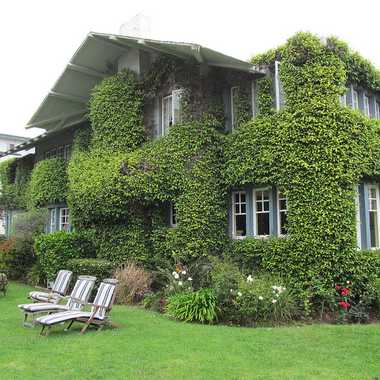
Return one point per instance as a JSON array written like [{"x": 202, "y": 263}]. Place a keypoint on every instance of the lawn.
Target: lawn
[{"x": 149, "y": 346}]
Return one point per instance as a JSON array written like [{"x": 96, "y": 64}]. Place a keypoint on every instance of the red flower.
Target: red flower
[
  {"x": 345, "y": 292},
  {"x": 338, "y": 287},
  {"x": 344, "y": 305}
]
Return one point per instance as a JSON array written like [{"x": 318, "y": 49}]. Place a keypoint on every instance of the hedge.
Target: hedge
[
  {"x": 101, "y": 269},
  {"x": 56, "y": 249}
]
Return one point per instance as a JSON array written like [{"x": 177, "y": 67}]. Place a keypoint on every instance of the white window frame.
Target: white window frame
[
  {"x": 355, "y": 99},
  {"x": 279, "y": 210},
  {"x": 358, "y": 219},
  {"x": 234, "y": 213},
  {"x": 233, "y": 126},
  {"x": 367, "y": 111},
  {"x": 255, "y": 212},
  {"x": 173, "y": 215},
  {"x": 376, "y": 187},
  {"x": 52, "y": 219},
  {"x": 67, "y": 219},
  {"x": 175, "y": 94},
  {"x": 377, "y": 110},
  {"x": 67, "y": 152},
  {"x": 164, "y": 129}
]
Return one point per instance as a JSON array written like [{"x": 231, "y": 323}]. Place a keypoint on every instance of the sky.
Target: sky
[{"x": 39, "y": 37}]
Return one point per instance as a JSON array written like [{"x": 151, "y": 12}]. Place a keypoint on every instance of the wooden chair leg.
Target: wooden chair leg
[
  {"x": 85, "y": 327},
  {"x": 70, "y": 324}
]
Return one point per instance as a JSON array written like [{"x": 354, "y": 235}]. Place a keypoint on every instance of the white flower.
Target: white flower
[
  {"x": 180, "y": 283},
  {"x": 277, "y": 295},
  {"x": 231, "y": 290},
  {"x": 176, "y": 275},
  {"x": 189, "y": 279},
  {"x": 250, "y": 278},
  {"x": 274, "y": 301},
  {"x": 183, "y": 272},
  {"x": 261, "y": 298},
  {"x": 239, "y": 294}
]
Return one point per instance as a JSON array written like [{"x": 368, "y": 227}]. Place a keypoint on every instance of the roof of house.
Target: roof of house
[
  {"x": 66, "y": 103},
  {"x": 68, "y": 98},
  {"x": 4, "y": 136}
]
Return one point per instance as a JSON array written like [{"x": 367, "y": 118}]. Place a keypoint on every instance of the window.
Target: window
[
  {"x": 60, "y": 151},
  {"x": 253, "y": 95},
  {"x": 282, "y": 210},
  {"x": 52, "y": 219},
  {"x": 64, "y": 224},
  {"x": 239, "y": 214},
  {"x": 366, "y": 106},
  {"x": 67, "y": 152},
  {"x": 171, "y": 111},
  {"x": 358, "y": 221},
  {"x": 373, "y": 210},
  {"x": 234, "y": 106},
  {"x": 355, "y": 100},
  {"x": 377, "y": 110},
  {"x": 343, "y": 100},
  {"x": 262, "y": 212},
  {"x": 173, "y": 215}
]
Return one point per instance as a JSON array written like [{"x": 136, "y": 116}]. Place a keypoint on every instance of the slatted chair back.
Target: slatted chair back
[
  {"x": 81, "y": 292},
  {"x": 62, "y": 282},
  {"x": 104, "y": 298}
]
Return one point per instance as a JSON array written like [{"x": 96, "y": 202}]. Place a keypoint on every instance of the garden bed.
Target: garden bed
[{"x": 149, "y": 345}]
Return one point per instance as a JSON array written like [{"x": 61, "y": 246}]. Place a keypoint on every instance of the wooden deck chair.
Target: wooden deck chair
[
  {"x": 77, "y": 299},
  {"x": 98, "y": 316},
  {"x": 58, "y": 291}
]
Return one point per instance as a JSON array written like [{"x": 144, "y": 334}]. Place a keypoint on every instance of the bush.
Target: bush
[
  {"x": 200, "y": 306},
  {"x": 154, "y": 301},
  {"x": 225, "y": 280},
  {"x": 263, "y": 299},
  {"x": 56, "y": 249},
  {"x": 134, "y": 282},
  {"x": 17, "y": 257},
  {"x": 101, "y": 269}
]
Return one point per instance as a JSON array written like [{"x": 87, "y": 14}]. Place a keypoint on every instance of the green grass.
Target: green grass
[{"x": 149, "y": 346}]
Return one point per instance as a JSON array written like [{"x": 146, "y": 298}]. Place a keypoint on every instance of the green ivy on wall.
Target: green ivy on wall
[
  {"x": 48, "y": 183},
  {"x": 14, "y": 177}
]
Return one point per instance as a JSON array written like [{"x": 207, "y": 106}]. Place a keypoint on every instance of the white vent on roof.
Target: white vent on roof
[{"x": 137, "y": 26}]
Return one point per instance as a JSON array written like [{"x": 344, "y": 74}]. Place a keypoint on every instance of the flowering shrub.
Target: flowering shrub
[
  {"x": 179, "y": 281},
  {"x": 259, "y": 299}
]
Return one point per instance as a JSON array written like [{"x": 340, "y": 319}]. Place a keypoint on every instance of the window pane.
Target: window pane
[
  {"x": 373, "y": 205},
  {"x": 242, "y": 208},
  {"x": 237, "y": 208},
  {"x": 265, "y": 195},
  {"x": 262, "y": 224},
  {"x": 266, "y": 206},
  {"x": 259, "y": 206},
  {"x": 283, "y": 204},
  {"x": 242, "y": 197},
  {"x": 374, "y": 229},
  {"x": 283, "y": 221},
  {"x": 240, "y": 225}
]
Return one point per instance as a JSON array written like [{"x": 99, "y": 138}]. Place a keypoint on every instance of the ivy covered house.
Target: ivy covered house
[{"x": 171, "y": 150}]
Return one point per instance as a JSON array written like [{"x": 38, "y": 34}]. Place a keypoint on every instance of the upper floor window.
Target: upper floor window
[
  {"x": 234, "y": 106},
  {"x": 366, "y": 106},
  {"x": 173, "y": 215},
  {"x": 282, "y": 211},
  {"x": 171, "y": 111},
  {"x": 373, "y": 210},
  {"x": 262, "y": 211},
  {"x": 377, "y": 110},
  {"x": 355, "y": 100},
  {"x": 64, "y": 224},
  {"x": 343, "y": 100},
  {"x": 239, "y": 214}
]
